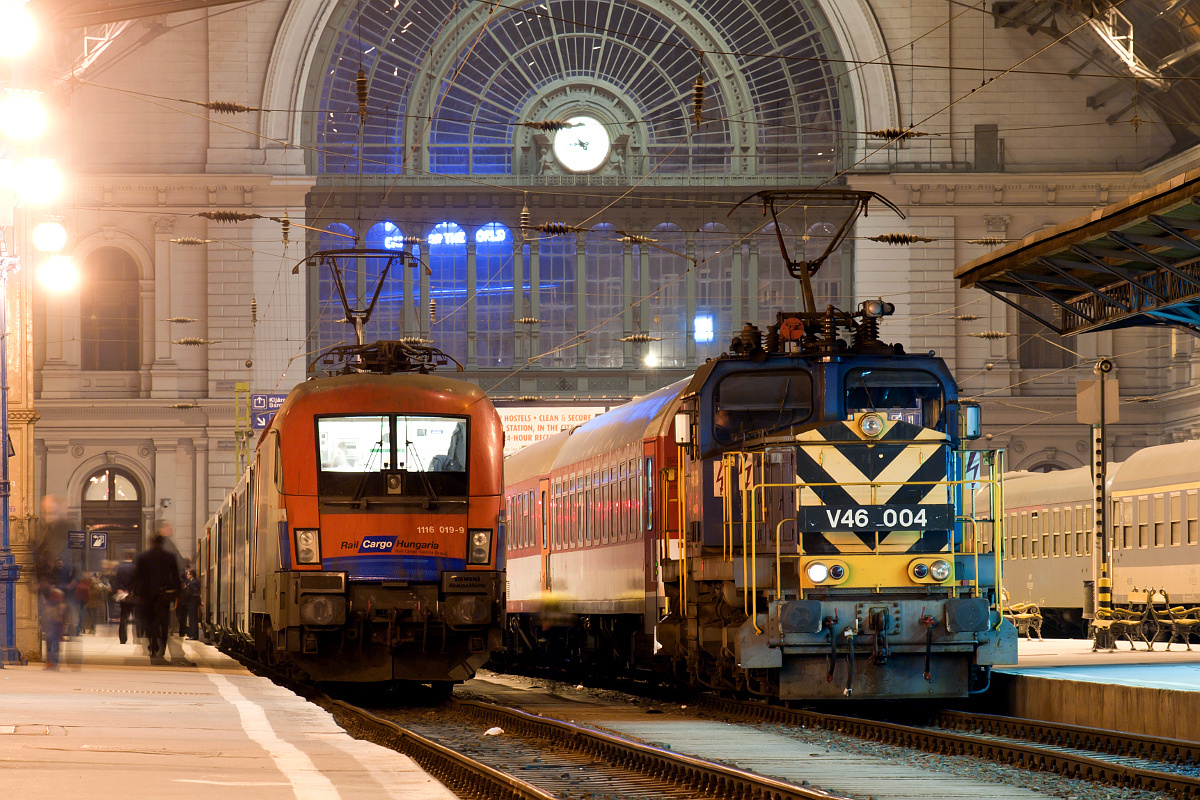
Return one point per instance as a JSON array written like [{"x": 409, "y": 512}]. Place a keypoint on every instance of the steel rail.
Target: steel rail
[
  {"x": 465, "y": 776},
  {"x": 710, "y": 778},
  {"x": 1034, "y": 757},
  {"x": 1118, "y": 743}
]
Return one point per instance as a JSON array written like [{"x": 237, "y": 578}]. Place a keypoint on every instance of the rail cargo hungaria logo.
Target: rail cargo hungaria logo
[{"x": 377, "y": 544}]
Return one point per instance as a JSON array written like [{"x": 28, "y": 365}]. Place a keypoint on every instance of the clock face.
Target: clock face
[{"x": 582, "y": 148}]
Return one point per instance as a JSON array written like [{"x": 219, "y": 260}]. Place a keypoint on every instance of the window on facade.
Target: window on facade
[
  {"x": 1039, "y": 347},
  {"x": 666, "y": 306},
  {"x": 714, "y": 291},
  {"x": 329, "y": 304},
  {"x": 827, "y": 283},
  {"x": 110, "y": 485},
  {"x": 558, "y": 303},
  {"x": 494, "y": 295},
  {"x": 604, "y": 299},
  {"x": 109, "y": 312},
  {"x": 447, "y": 255}
]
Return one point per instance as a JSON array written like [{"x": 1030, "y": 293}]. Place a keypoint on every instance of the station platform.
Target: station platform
[
  {"x": 1150, "y": 692},
  {"x": 201, "y": 728}
]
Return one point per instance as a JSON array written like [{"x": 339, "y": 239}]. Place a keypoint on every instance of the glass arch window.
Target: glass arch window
[
  {"x": 447, "y": 256},
  {"x": 109, "y": 311},
  {"x": 111, "y": 485},
  {"x": 603, "y": 297},
  {"x": 488, "y": 64},
  {"x": 828, "y": 287},
  {"x": 494, "y": 295}
]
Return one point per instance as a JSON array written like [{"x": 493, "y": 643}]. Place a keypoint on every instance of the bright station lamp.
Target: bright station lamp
[
  {"x": 58, "y": 273},
  {"x": 18, "y": 31},
  {"x": 21, "y": 115}
]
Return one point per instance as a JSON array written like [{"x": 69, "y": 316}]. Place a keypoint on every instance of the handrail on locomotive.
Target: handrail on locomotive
[{"x": 754, "y": 495}]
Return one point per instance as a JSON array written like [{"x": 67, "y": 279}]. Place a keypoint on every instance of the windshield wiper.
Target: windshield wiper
[{"x": 430, "y": 495}]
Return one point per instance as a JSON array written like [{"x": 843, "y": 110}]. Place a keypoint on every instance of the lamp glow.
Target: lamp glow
[
  {"x": 18, "y": 31},
  {"x": 37, "y": 180},
  {"x": 22, "y": 115},
  {"x": 49, "y": 237},
  {"x": 58, "y": 273}
]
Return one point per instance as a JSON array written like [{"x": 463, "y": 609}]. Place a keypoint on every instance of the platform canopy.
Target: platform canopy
[{"x": 1133, "y": 263}]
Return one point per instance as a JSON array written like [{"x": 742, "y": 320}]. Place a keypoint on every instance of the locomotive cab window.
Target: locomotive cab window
[
  {"x": 752, "y": 405},
  {"x": 388, "y": 458},
  {"x": 913, "y": 396}
]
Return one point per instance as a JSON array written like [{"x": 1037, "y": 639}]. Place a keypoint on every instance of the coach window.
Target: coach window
[
  {"x": 750, "y": 405},
  {"x": 1068, "y": 517},
  {"x": 649, "y": 495},
  {"x": 1160, "y": 520},
  {"x": 1143, "y": 521},
  {"x": 1056, "y": 536},
  {"x": 1176, "y": 520},
  {"x": 1024, "y": 535},
  {"x": 1193, "y": 520},
  {"x": 1035, "y": 533},
  {"x": 913, "y": 396}
]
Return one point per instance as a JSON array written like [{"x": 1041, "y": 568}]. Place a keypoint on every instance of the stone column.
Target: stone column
[
  {"x": 164, "y": 380},
  {"x": 581, "y": 299},
  {"x": 472, "y": 323}
]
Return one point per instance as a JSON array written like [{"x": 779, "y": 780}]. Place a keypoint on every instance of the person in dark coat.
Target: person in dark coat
[
  {"x": 189, "y": 607},
  {"x": 156, "y": 585},
  {"x": 122, "y": 585}
]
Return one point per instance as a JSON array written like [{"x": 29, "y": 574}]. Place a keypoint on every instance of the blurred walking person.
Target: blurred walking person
[
  {"x": 54, "y": 621},
  {"x": 123, "y": 592},
  {"x": 156, "y": 585},
  {"x": 189, "y": 607}
]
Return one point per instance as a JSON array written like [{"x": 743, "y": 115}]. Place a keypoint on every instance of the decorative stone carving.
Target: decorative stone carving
[
  {"x": 77, "y": 451},
  {"x": 144, "y": 451}
]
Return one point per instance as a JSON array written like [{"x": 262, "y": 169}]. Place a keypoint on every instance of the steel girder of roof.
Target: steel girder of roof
[{"x": 1134, "y": 263}]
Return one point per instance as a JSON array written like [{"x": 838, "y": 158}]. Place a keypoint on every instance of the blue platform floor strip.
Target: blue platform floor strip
[{"x": 1178, "y": 677}]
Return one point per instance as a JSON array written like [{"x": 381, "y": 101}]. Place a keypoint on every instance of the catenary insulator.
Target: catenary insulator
[
  {"x": 286, "y": 227},
  {"x": 528, "y": 321},
  {"x": 635, "y": 239},
  {"x": 525, "y": 216},
  {"x": 899, "y": 238},
  {"x": 191, "y": 341},
  {"x": 549, "y": 125},
  {"x": 360, "y": 88},
  {"x": 896, "y": 133},
  {"x": 254, "y": 310},
  {"x": 991, "y": 334},
  {"x": 640, "y": 337},
  {"x": 988, "y": 241},
  {"x": 227, "y": 216},
  {"x": 433, "y": 310},
  {"x": 555, "y": 228},
  {"x": 967, "y": 317},
  {"x": 698, "y": 100},
  {"x": 180, "y": 319},
  {"x": 226, "y": 107},
  {"x": 190, "y": 241}
]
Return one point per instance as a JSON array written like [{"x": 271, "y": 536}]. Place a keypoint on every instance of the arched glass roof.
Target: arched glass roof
[{"x": 449, "y": 84}]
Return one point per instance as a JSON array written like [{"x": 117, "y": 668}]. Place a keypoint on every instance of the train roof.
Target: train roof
[
  {"x": 1158, "y": 467},
  {"x": 642, "y": 417},
  {"x": 533, "y": 459},
  {"x": 1048, "y": 488}
]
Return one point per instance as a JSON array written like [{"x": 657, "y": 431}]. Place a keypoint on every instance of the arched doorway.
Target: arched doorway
[{"x": 111, "y": 504}]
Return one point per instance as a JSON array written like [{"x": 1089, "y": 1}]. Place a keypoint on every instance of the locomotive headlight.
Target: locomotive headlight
[
  {"x": 837, "y": 572},
  {"x": 939, "y": 571},
  {"x": 871, "y": 425},
  {"x": 479, "y": 546},
  {"x": 322, "y": 609},
  {"x": 308, "y": 546},
  {"x": 817, "y": 572},
  {"x": 920, "y": 571}
]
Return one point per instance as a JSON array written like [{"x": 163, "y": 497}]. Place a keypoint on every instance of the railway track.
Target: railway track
[
  {"x": 556, "y": 759},
  {"x": 1123, "y": 760}
]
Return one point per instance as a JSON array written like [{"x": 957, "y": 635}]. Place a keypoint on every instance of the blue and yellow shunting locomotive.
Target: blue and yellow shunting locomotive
[{"x": 826, "y": 545}]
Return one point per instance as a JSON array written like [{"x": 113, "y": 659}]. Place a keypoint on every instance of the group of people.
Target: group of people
[{"x": 146, "y": 587}]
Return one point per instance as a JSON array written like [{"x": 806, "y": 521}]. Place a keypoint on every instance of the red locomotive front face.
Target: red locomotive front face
[{"x": 384, "y": 494}]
